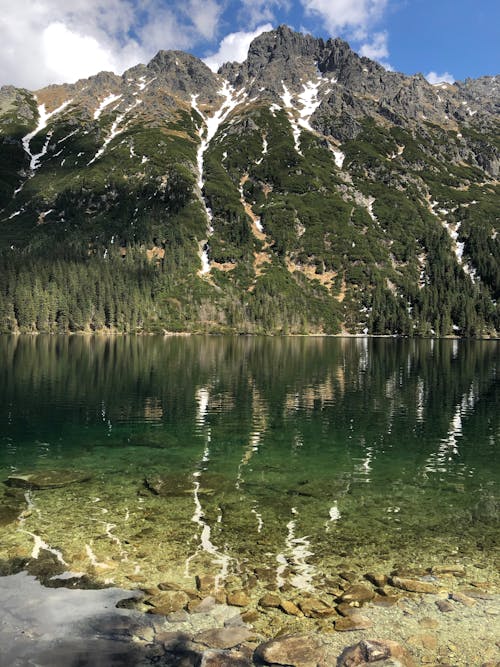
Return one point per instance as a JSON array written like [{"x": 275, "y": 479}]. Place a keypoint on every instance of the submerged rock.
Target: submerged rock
[
  {"x": 444, "y": 605},
  {"x": 463, "y": 599},
  {"x": 380, "y": 651},
  {"x": 314, "y": 608},
  {"x": 358, "y": 593},
  {"x": 47, "y": 479},
  {"x": 223, "y": 638},
  {"x": 9, "y": 514},
  {"x": 270, "y": 600},
  {"x": 238, "y": 599},
  {"x": 224, "y": 659},
  {"x": 352, "y": 622},
  {"x": 168, "y": 601},
  {"x": 412, "y": 585},
  {"x": 161, "y": 485},
  {"x": 290, "y": 650},
  {"x": 290, "y": 608}
]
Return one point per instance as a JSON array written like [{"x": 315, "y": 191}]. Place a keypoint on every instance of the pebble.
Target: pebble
[{"x": 444, "y": 605}]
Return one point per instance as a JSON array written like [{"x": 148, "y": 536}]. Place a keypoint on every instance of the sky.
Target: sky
[{"x": 56, "y": 41}]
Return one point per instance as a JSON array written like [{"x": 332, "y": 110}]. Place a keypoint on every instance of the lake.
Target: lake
[{"x": 279, "y": 459}]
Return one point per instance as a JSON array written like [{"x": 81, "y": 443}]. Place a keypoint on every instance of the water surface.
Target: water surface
[{"x": 298, "y": 456}]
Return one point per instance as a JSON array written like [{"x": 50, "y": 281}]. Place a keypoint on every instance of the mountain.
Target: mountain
[{"x": 306, "y": 190}]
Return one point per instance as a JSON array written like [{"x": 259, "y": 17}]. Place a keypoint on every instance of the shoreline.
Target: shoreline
[
  {"x": 452, "y": 620},
  {"x": 235, "y": 334}
]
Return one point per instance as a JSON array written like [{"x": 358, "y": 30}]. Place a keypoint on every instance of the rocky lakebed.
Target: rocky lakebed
[{"x": 72, "y": 608}]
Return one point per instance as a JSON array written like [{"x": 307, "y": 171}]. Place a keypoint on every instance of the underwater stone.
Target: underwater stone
[
  {"x": 47, "y": 479},
  {"x": 463, "y": 599},
  {"x": 8, "y": 514},
  {"x": 223, "y": 638},
  {"x": 358, "y": 593},
  {"x": 314, "y": 608},
  {"x": 167, "y": 602},
  {"x": 238, "y": 599},
  {"x": 444, "y": 605},
  {"x": 290, "y": 608},
  {"x": 270, "y": 600},
  {"x": 380, "y": 651},
  {"x": 352, "y": 622},
  {"x": 224, "y": 659},
  {"x": 412, "y": 585},
  {"x": 377, "y": 579},
  {"x": 291, "y": 650},
  {"x": 455, "y": 570}
]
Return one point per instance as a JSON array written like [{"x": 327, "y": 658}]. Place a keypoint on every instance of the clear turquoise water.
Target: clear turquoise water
[{"x": 297, "y": 455}]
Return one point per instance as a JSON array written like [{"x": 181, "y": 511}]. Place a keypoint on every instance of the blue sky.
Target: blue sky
[{"x": 45, "y": 41}]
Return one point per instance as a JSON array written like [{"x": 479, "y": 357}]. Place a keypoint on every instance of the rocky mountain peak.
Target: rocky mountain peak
[{"x": 184, "y": 74}]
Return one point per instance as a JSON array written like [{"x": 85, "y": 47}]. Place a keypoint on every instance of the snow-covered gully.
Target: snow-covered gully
[{"x": 207, "y": 131}]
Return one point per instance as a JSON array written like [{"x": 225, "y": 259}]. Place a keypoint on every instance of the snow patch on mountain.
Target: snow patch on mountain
[
  {"x": 43, "y": 119},
  {"x": 106, "y": 102}
]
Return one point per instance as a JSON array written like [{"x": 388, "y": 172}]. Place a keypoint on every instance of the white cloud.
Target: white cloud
[
  {"x": 435, "y": 78},
  {"x": 256, "y": 12},
  {"x": 205, "y": 15},
  {"x": 377, "y": 48},
  {"x": 56, "y": 41},
  {"x": 234, "y": 47},
  {"x": 339, "y": 15},
  {"x": 71, "y": 56}
]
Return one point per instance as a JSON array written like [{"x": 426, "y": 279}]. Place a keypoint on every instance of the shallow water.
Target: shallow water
[{"x": 297, "y": 456}]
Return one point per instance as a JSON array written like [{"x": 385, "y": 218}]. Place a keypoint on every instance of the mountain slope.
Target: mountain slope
[{"x": 305, "y": 190}]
